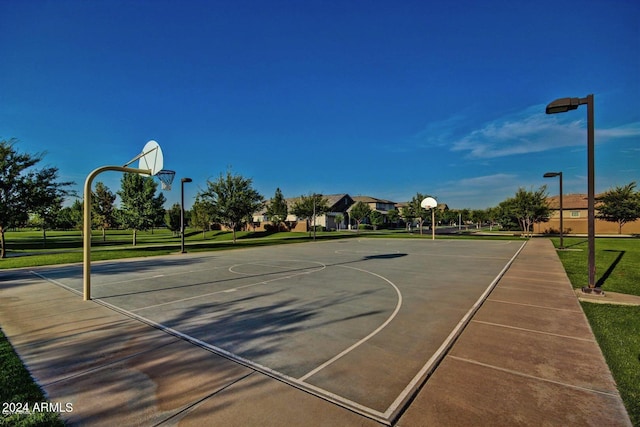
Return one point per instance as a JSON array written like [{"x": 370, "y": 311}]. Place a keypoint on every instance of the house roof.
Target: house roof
[
  {"x": 334, "y": 199},
  {"x": 569, "y": 201},
  {"x": 369, "y": 199}
]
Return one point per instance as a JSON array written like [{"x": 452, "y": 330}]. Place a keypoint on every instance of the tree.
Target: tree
[
  {"x": 173, "y": 217},
  {"x": 465, "y": 214},
  {"x": 359, "y": 212},
  {"x": 505, "y": 217},
  {"x": 70, "y": 217},
  {"x": 201, "y": 214},
  {"x": 417, "y": 211},
  {"x": 376, "y": 219},
  {"x": 309, "y": 207},
  {"x": 338, "y": 218},
  {"x": 528, "y": 207},
  {"x": 46, "y": 214},
  {"x": 233, "y": 199},
  {"x": 407, "y": 213},
  {"x": 492, "y": 215},
  {"x": 24, "y": 190},
  {"x": 102, "y": 204},
  {"x": 157, "y": 210},
  {"x": 393, "y": 216},
  {"x": 277, "y": 209},
  {"x": 140, "y": 205},
  {"x": 620, "y": 204},
  {"x": 478, "y": 216}
]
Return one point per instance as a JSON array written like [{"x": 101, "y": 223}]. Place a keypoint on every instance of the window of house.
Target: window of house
[{"x": 575, "y": 214}]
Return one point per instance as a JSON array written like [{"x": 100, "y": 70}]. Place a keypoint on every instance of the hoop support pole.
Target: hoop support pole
[{"x": 86, "y": 249}]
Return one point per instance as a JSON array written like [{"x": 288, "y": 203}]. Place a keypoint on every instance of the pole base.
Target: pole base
[{"x": 593, "y": 291}]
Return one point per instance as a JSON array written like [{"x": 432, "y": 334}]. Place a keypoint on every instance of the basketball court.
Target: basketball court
[{"x": 358, "y": 322}]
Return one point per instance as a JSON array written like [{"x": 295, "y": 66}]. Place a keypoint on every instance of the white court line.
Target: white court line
[
  {"x": 431, "y": 254},
  {"x": 145, "y": 277},
  {"x": 368, "y": 337},
  {"x": 231, "y": 269},
  {"x": 316, "y": 391},
  {"x": 56, "y": 282},
  {"x": 364, "y": 251},
  {"x": 262, "y": 282}
]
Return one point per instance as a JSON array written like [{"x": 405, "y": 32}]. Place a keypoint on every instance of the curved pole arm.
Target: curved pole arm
[{"x": 86, "y": 268}]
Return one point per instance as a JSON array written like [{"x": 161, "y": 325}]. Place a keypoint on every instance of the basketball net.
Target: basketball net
[{"x": 166, "y": 178}]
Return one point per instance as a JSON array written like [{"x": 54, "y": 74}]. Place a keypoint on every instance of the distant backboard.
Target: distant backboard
[
  {"x": 429, "y": 203},
  {"x": 151, "y": 157}
]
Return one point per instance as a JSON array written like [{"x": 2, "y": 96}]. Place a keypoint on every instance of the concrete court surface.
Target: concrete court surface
[{"x": 353, "y": 324}]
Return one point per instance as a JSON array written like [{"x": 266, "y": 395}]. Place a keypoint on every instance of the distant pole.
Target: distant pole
[
  {"x": 433, "y": 223},
  {"x": 182, "y": 181},
  {"x": 314, "y": 216},
  {"x": 561, "y": 216},
  {"x": 552, "y": 175}
]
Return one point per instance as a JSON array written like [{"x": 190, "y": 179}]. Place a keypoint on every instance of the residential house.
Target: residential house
[
  {"x": 338, "y": 205},
  {"x": 574, "y": 218},
  {"x": 379, "y": 205}
]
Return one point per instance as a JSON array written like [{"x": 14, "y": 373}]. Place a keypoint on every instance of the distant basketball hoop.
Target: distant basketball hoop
[
  {"x": 431, "y": 203},
  {"x": 166, "y": 178}
]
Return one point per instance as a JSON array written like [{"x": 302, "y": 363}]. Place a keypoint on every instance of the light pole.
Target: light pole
[
  {"x": 182, "y": 181},
  {"x": 552, "y": 175},
  {"x": 563, "y": 105}
]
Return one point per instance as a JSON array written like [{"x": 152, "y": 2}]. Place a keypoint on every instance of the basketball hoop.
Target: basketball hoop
[{"x": 166, "y": 178}]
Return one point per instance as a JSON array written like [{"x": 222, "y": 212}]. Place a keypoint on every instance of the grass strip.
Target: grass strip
[
  {"x": 617, "y": 330},
  {"x": 18, "y": 392}
]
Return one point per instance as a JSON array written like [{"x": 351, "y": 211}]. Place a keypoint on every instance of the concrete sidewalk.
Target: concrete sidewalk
[{"x": 528, "y": 357}]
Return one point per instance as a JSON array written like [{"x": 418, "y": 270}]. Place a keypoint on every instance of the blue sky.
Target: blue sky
[{"x": 378, "y": 98}]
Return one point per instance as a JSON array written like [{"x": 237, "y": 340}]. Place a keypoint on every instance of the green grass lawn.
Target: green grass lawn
[
  {"x": 27, "y": 248},
  {"x": 617, "y": 263},
  {"x": 17, "y": 388},
  {"x": 617, "y": 328}
]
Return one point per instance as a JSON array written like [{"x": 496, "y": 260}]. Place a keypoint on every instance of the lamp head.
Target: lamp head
[
  {"x": 551, "y": 174},
  {"x": 562, "y": 105},
  {"x": 186, "y": 180}
]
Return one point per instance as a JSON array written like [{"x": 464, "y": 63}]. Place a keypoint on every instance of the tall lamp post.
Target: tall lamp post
[
  {"x": 552, "y": 175},
  {"x": 563, "y": 105},
  {"x": 182, "y": 181}
]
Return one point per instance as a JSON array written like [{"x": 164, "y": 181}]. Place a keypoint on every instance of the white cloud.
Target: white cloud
[
  {"x": 629, "y": 130},
  {"x": 532, "y": 131},
  {"x": 478, "y": 192},
  {"x": 487, "y": 181}
]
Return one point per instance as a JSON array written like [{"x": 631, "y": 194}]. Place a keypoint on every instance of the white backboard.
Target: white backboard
[
  {"x": 151, "y": 157},
  {"x": 429, "y": 203}
]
